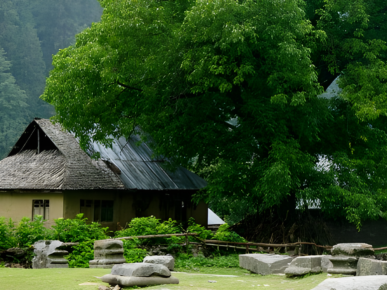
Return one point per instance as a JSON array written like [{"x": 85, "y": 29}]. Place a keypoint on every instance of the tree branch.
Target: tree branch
[{"x": 129, "y": 87}]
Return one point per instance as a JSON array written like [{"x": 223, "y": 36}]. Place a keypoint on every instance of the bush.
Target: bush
[
  {"x": 224, "y": 234},
  {"x": 78, "y": 230},
  {"x": 193, "y": 227},
  {"x": 30, "y": 231},
  {"x": 132, "y": 254},
  {"x": 188, "y": 262},
  {"x": 7, "y": 234},
  {"x": 81, "y": 255},
  {"x": 151, "y": 226}
]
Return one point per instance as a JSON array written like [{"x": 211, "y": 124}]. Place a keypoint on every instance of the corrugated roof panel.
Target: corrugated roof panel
[
  {"x": 143, "y": 150},
  {"x": 184, "y": 178},
  {"x": 161, "y": 175},
  {"x": 141, "y": 172}
]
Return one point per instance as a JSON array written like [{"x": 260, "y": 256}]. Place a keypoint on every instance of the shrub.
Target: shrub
[
  {"x": 30, "y": 231},
  {"x": 188, "y": 262},
  {"x": 81, "y": 255},
  {"x": 78, "y": 230},
  {"x": 7, "y": 234},
  {"x": 133, "y": 254},
  {"x": 224, "y": 234},
  {"x": 202, "y": 232},
  {"x": 151, "y": 226}
]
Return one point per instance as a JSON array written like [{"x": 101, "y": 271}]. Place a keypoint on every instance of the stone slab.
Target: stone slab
[
  {"x": 167, "y": 261},
  {"x": 353, "y": 249},
  {"x": 371, "y": 267},
  {"x": 265, "y": 264},
  {"x": 304, "y": 265},
  {"x": 141, "y": 270},
  {"x": 354, "y": 283},
  {"x": 138, "y": 281}
]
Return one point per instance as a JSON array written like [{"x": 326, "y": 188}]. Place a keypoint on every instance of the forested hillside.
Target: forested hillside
[{"x": 30, "y": 33}]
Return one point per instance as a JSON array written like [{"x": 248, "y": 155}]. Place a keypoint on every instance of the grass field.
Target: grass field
[{"x": 70, "y": 279}]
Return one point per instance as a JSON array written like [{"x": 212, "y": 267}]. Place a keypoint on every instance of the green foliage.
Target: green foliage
[
  {"x": 7, "y": 238},
  {"x": 132, "y": 253},
  {"x": 151, "y": 226},
  {"x": 78, "y": 230},
  {"x": 30, "y": 231},
  {"x": 30, "y": 33},
  {"x": 185, "y": 261},
  {"x": 200, "y": 230},
  {"x": 224, "y": 234},
  {"x": 81, "y": 255},
  {"x": 13, "y": 107},
  {"x": 251, "y": 71}
]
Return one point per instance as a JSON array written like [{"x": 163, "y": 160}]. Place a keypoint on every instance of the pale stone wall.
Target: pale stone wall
[{"x": 16, "y": 205}]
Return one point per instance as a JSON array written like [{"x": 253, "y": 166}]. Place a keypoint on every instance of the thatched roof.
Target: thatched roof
[
  {"x": 57, "y": 163},
  {"x": 47, "y": 157}
]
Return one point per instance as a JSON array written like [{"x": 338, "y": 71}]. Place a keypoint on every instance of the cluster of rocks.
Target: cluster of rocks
[
  {"x": 154, "y": 270},
  {"x": 348, "y": 259}
]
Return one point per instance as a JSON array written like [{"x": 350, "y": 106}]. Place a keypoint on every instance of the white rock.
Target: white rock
[
  {"x": 304, "y": 265},
  {"x": 354, "y": 283},
  {"x": 141, "y": 270},
  {"x": 167, "y": 261},
  {"x": 265, "y": 264}
]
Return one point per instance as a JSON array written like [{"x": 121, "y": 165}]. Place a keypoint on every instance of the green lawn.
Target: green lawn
[{"x": 70, "y": 279}]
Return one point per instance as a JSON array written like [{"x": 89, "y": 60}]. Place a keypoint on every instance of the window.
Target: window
[
  {"x": 41, "y": 207},
  {"x": 102, "y": 209}
]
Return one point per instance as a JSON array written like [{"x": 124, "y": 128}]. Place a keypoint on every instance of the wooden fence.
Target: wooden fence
[{"x": 236, "y": 245}]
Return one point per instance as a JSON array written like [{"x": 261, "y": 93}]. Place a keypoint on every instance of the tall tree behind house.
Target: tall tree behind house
[{"x": 30, "y": 33}]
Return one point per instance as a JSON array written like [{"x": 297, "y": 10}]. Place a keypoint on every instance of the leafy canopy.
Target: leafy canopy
[{"x": 230, "y": 89}]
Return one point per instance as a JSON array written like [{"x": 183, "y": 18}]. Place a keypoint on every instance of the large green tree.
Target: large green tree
[{"x": 230, "y": 89}]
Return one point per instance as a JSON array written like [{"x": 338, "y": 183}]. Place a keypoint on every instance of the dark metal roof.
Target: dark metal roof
[{"x": 139, "y": 170}]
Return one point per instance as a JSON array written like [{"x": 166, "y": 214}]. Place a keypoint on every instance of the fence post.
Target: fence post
[{"x": 186, "y": 243}]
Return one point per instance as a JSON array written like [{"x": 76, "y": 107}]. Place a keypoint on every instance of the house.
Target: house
[{"x": 47, "y": 173}]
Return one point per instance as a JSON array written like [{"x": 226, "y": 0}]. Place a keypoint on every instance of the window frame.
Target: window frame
[{"x": 46, "y": 205}]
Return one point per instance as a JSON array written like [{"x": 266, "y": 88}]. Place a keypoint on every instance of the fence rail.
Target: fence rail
[{"x": 225, "y": 243}]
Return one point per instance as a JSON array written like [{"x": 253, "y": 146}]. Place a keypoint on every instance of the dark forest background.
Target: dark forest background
[{"x": 30, "y": 33}]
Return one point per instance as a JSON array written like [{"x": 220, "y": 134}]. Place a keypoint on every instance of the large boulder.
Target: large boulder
[
  {"x": 167, "y": 261},
  {"x": 141, "y": 270},
  {"x": 369, "y": 267},
  {"x": 304, "y": 265},
  {"x": 353, "y": 249},
  {"x": 107, "y": 253},
  {"x": 354, "y": 283},
  {"x": 138, "y": 281},
  {"x": 265, "y": 264},
  {"x": 48, "y": 255}
]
